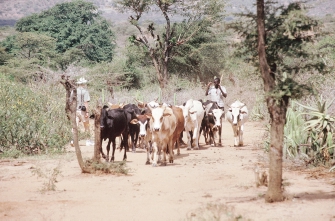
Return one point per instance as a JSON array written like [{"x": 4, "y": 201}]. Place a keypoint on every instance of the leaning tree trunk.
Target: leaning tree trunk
[
  {"x": 70, "y": 109},
  {"x": 277, "y": 111},
  {"x": 97, "y": 133}
]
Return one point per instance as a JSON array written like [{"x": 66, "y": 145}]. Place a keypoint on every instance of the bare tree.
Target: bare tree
[
  {"x": 71, "y": 109},
  {"x": 196, "y": 15}
]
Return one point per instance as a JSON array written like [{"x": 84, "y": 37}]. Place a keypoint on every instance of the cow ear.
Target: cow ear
[
  {"x": 122, "y": 105},
  {"x": 148, "y": 115},
  {"x": 230, "y": 110},
  {"x": 130, "y": 111},
  {"x": 134, "y": 121},
  {"x": 243, "y": 112},
  {"x": 210, "y": 114}
]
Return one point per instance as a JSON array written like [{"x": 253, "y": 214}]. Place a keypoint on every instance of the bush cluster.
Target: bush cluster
[{"x": 33, "y": 121}]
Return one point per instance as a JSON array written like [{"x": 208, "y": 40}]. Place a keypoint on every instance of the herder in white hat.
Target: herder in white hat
[{"x": 83, "y": 98}]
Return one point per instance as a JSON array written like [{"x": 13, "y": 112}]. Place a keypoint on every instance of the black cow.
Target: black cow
[
  {"x": 132, "y": 111},
  {"x": 208, "y": 124},
  {"x": 113, "y": 123}
]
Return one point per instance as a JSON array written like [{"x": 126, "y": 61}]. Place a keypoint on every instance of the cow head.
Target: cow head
[
  {"x": 157, "y": 115},
  {"x": 237, "y": 113},
  {"x": 189, "y": 112},
  {"x": 143, "y": 121},
  {"x": 217, "y": 116},
  {"x": 115, "y": 106}
]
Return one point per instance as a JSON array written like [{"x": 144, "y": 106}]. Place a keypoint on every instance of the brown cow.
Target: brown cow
[
  {"x": 162, "y": 124},
  {"x": 178, "y": 112}
]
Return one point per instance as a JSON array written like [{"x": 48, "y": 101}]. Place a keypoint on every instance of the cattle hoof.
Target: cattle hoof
[
  {"x": 154, "y": 164},
  {"x": 170, "y": 161},
  {"x": 147, "y": 163},
  {"x": 212, "y": 145},
  {"x": 196, "y": 148},
  {"x": 189, "y": 148},
  {"x": 134, "y": 151},
  {"x": 163, "y": 164}
]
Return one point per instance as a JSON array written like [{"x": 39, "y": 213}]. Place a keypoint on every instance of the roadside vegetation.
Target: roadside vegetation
[{"x": 44, "y": 46}]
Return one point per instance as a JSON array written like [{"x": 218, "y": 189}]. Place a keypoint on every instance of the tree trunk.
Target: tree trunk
[
  {"x": 71, "y": 109},
  {"x": 277, "y": 110},
  {"x": 97, "y": 133},
  {"x": 278, "y": 116}
]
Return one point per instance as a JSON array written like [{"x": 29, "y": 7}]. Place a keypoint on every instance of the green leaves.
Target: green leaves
[
  {"x": 320, "y": 128},
  {"x": 74, "y": 24},
  {"x": 32, "y": 120}
]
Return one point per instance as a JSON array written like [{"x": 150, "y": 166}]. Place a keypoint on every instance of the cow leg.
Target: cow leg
[
  {"x": 220, "y": 131},
  {"x": 235, "y": 129},
  {"x": 126, "y": 147},
  {"x": 206, "y": 135},
  {"x": 195, "y": 138},
  {"x": 108, "y": 149},
  {"x": 132, "y": 137},
  {"x": 147, "y": 145},
  {"x": 178, "y": 147},
  {"x": 189, "y": 144},
  {"x": 164, "y": 149},
  {"x": 102, "y": 152},
  {"x": 170, "y": 146},
  {"x": 148, "y": 155},
  {"x": 155, "y": 154},
  {"x": 114, "y": 147},
  {"x": 240, "y": 136}
]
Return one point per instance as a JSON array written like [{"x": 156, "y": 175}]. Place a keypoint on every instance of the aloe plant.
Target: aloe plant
[
  {"x": 294, "y": 134},
  {"x": 320, "y": 128}
]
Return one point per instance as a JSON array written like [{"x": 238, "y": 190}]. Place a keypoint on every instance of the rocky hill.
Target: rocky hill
[{"x": 12, "y": 10}]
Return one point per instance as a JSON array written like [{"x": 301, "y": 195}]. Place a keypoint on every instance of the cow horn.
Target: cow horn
[{"x": 140, "y": 102}]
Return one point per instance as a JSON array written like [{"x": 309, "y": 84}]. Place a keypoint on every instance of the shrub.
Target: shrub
[{"x": 33, "y": 119}]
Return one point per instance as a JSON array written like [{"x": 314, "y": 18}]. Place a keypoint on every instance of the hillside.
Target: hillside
[{"x": 12, "y": 10}]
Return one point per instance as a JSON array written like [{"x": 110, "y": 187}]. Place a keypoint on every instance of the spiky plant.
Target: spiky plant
[
  {"x": 293, "y": 132},
  {"x": 320, "y": 128}
]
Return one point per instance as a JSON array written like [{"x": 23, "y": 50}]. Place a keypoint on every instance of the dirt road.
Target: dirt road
[{"x": 213, "y": 183}]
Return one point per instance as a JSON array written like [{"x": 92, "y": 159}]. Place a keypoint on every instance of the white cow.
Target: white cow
[
  {"x": 237, "y": 116},
  {"x": 162, "y": 124},
  {"x": 145, "y": 136},
  {"x": 193, "y": 113}
]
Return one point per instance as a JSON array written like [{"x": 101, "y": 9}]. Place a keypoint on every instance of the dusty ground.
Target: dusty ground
[{"x": 213, "y": 183}]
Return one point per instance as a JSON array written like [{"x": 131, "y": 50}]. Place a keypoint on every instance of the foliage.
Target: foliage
[
  {"x": 290, "y": 34},
  {"x": 286, "y": 86},
  {"x": 158, "y": 43},
  {"x": 294, "y": 133},
  {"x": 33, "y": 121},
  {"x": 74, "y": 24},
  {"x": 320, "y": 128},
  {"x": 115, "y": 168},
  {"x": 202, "y": 56},
  {"x": 288, "y": 30},
  {"x": 49, "y": 175},
  {"x": 4, "y": 56}
]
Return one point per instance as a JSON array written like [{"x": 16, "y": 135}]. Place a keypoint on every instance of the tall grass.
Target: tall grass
[{"x": 33, "y": 119}]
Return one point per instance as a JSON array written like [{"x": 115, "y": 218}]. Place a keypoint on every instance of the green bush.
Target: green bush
[{"x": 33, "y": 119}]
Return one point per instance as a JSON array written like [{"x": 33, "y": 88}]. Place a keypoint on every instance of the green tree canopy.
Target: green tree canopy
[
  {"x": 160, "y": 43},
  {"x": 76, "y": 24},
  {"x": 289, "y": 30}
]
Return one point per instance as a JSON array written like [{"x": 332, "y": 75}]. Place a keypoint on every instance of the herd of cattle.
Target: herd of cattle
[{"x": 159, "y": 127}]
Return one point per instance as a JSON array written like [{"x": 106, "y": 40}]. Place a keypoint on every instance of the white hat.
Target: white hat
[{"x": 82, "y": 81}]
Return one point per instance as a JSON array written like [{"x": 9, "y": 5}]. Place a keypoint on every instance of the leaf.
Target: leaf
[{"x": 307, "y": 107}]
